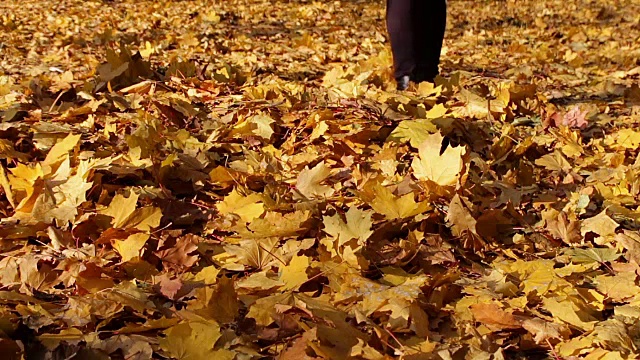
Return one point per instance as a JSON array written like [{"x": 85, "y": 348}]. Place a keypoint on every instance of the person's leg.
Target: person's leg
[
  {"x": 400, "y": 29},
  {"x": 429, "y": 20}
]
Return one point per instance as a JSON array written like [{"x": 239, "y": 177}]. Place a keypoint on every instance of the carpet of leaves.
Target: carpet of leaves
[{"x": 239, "y": 180}]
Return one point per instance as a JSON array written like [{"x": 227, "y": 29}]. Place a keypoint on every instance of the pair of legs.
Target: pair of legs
[{"x": 416, "y": 29}]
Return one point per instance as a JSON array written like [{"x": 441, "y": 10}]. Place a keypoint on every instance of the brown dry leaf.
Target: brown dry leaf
[
  {"x": 630, "y": 240},
  {"x": 182, "y": 254},
  {"x": 298, "y": 350},
  {"x": 169, "y": 287},
  {"x": 463, "y": 225},
  {"x": 134, "y": 347},
  {"x": 460, "y": 218},
  {"x": 494, "y": 317},
  {"x": 566, "y": 230},
  {"x": 6, "y": 186}
]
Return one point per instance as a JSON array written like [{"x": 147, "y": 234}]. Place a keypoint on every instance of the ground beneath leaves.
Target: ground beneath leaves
[{"x": 239, "y": 180}]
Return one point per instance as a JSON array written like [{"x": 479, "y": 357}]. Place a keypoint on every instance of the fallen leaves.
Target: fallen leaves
[
  {"x": 295, "y": 273},
  {"x": 574, "y": 118},
  {"x": 220, "y": 186},
  {"x": 444, "y": 168},
  {"x": 545, "y": 330},
  {"x": 347, "y": 238},
  {"x": 246, "y": 207},
  {"x": 194, "y": 340},
  {"x": 494, "y": 317},
  {"x": 383, "y": 201},
  {"x": 309, "y": 180},
  {"x": 131, "y": 247}
]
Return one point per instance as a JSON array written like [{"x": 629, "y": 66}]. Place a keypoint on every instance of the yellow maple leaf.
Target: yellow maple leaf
[
  {"x": 146, "y": 50},
  {"x": 568, "y": 312},
  {"x": 208, "y": 275},
  {"x": 477, "y": 106},
  {"x": 6, "y": 186},
  {"x": 60, "y": 151},
  {"x": 258, "y": 282},
  {"x": 625, "y": 138},
  {"x": 575, "y": 346},
  {"x": 393, "y": 207},
  {"x": 428, "y": 89},
  {"x": 620, "y": 287},
  {"x": 131, "y": 247},
  {"x": 143, "y": 219},
  {"x": 121, "y": 208},
  {"x": 262, "y": 126},
  {"x": 445, "y": 169},
  {"x": 357, "y": 226},
  {"x": 437, "y": 111},
  {"x": 544, "y": 330},
  {"x": 308, "y": 183},
  {"x": 415, "y": 131},
  {"x": 295, "y": 274},
  {"x": 194, "y": 340},
  {"x": 554, "y": 161},
  {"x": 246, "y": 207},
  {"x": 602, "y": 225},
  {"x": 125, "y": 215}
]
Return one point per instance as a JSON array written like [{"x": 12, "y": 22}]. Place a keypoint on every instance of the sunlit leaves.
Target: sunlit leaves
[
  {"x": 295, "y": 274},
  {"x": 237, "y": 190},
  {"x": 443, "y": 169},
  {"x": 346, "y": 238},
  {"x": 246, "y": 207},
  {"x": 309, "y": 181},
  {"x": 357, "y": 226},
  {"x": 194, "y": 340},
  {"x": 131, "y": 247},
  {"x": 383, "y": 201}
]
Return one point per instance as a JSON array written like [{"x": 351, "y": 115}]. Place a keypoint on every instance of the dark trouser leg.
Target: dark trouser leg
[
  {"x": 399, "y": 25},
  {"x": 429, "y": 19}
]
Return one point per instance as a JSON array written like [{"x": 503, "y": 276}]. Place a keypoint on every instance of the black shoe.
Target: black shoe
[
  {"x": 419, "y": 76},
  {"x": 403, "y": 82}
]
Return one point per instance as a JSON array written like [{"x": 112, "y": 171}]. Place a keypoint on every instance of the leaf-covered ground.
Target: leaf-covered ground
[{"x": 239, "y": 180}]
